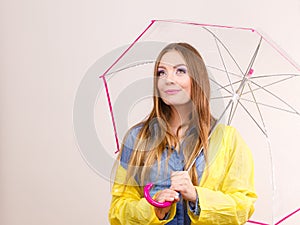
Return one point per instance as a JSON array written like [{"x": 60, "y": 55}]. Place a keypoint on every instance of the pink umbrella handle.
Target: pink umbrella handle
[{"x": 147, "y": 196}]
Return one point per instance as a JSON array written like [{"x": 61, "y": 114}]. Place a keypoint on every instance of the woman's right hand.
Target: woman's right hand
[{"x": 166, "y": 195}]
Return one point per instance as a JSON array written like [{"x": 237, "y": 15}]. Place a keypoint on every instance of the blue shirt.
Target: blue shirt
[{"x": 161, "y": 178}]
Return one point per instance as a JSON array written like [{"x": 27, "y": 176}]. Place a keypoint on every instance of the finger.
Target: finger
[
  {"x": 168, "y": 192},
  {"x": 167, "y": 195},
  {"x": 174, "y": 197}
]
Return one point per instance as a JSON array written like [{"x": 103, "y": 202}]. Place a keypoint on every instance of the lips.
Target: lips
[{"x": 172, "y": 91}]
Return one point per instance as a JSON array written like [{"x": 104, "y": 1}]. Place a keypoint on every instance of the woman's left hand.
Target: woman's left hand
[{"x": 181, "y": 182}]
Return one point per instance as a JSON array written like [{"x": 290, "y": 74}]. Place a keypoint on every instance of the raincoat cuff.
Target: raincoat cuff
[
  {"x": 170, "y": 215},
  {"x": 194, "y": 207},
  {"x": 167, "y": 216}
]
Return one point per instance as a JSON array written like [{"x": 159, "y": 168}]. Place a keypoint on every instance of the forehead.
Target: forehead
[{"x": 172, "y": 58}]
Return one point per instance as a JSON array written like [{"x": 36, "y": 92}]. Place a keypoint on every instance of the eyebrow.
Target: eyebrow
[{"x": 176, "y": 66}]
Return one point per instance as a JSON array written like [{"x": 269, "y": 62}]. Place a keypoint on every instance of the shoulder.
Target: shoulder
[
  {"x": 225, "y": 133},
  {"x": 128, "y": 144},
  {"x": 132, "y": 134},
  {"x": 229, "y": 139},
  {"x": 234, "y": 139}
]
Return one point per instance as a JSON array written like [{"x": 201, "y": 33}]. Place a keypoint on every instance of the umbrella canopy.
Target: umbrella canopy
[{"x": 254, "y": 87}]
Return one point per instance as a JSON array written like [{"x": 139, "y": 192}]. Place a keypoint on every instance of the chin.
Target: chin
[{"x": 172, "y": 102}]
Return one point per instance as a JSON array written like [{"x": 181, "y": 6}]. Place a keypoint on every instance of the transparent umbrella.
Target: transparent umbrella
[{"x": 254, "y": 87}]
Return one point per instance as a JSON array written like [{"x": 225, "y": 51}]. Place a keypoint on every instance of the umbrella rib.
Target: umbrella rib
[
  {"x": 246, "y": 110},
  {"x": 275, "y": 96},
  {"x": 211, "y": 131},
  {"x": 247, "y": 74},
  {"x": 221, "y": 97},
  {"x": 254, "y": 56},
  {"x": 223, "y": 63},
  {"x": 258, "y": 109},
  {"x": 231, "y": 113},
  {"x": 221, "y": 86},
  {"x": 240, "y": 89},
  {"x": 236, "y": 82},
  {"x": 269, "y": 106},
  {"x": 225, "y": 47},
  {"x": 236, "y": 105},
  {"x": 284, "y": 102},
  {"x": 270, "y": 84},
  {"x": 218, "y": 69},
  {"x": 275, "y": 75}
]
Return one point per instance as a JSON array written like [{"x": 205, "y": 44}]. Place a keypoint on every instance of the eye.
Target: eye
[
  {"x": 161, "y": 73},
  {"x": 181, "y": 70}
]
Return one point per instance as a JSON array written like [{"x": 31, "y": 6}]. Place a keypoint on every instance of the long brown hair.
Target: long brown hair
[{"x": 151, "y": 142}]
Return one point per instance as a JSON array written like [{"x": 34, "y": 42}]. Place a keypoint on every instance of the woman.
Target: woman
[{"x": 219, "y": 187}]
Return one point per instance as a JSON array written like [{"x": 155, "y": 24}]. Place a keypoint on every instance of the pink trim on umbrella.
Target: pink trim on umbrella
[
  {"x": 255, "y": 222},
  {"x": 279, "y": 222},
  {"x": 106, "y": 86},
  {"x": 288, "y": 216},
  {"x": 278, "y": 49},
  {"x": 111, "y": 113}
]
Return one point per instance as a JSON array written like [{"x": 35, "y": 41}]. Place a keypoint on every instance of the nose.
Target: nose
[{"x": 171, "y": 77}]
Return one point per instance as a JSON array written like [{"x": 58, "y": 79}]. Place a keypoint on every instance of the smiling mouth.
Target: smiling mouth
[{"x": 172, "y": 91}]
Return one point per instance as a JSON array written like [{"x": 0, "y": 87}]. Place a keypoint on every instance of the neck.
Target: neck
[{"x": 180, "y": 116}]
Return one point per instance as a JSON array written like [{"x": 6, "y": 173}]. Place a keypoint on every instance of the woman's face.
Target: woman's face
[{"x": 174, "y": 82}]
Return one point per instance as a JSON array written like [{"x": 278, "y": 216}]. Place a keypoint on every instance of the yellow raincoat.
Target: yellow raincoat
[{"x": 226, "y": 191}]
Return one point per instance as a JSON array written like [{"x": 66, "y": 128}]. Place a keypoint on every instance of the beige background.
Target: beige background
[{"x": 46, "y": 47}]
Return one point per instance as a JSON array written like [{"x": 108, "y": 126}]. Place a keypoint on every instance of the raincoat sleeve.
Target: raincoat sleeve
[
  {"x": 227, "y": 195},
  {"x": 128, "y": 205}
]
